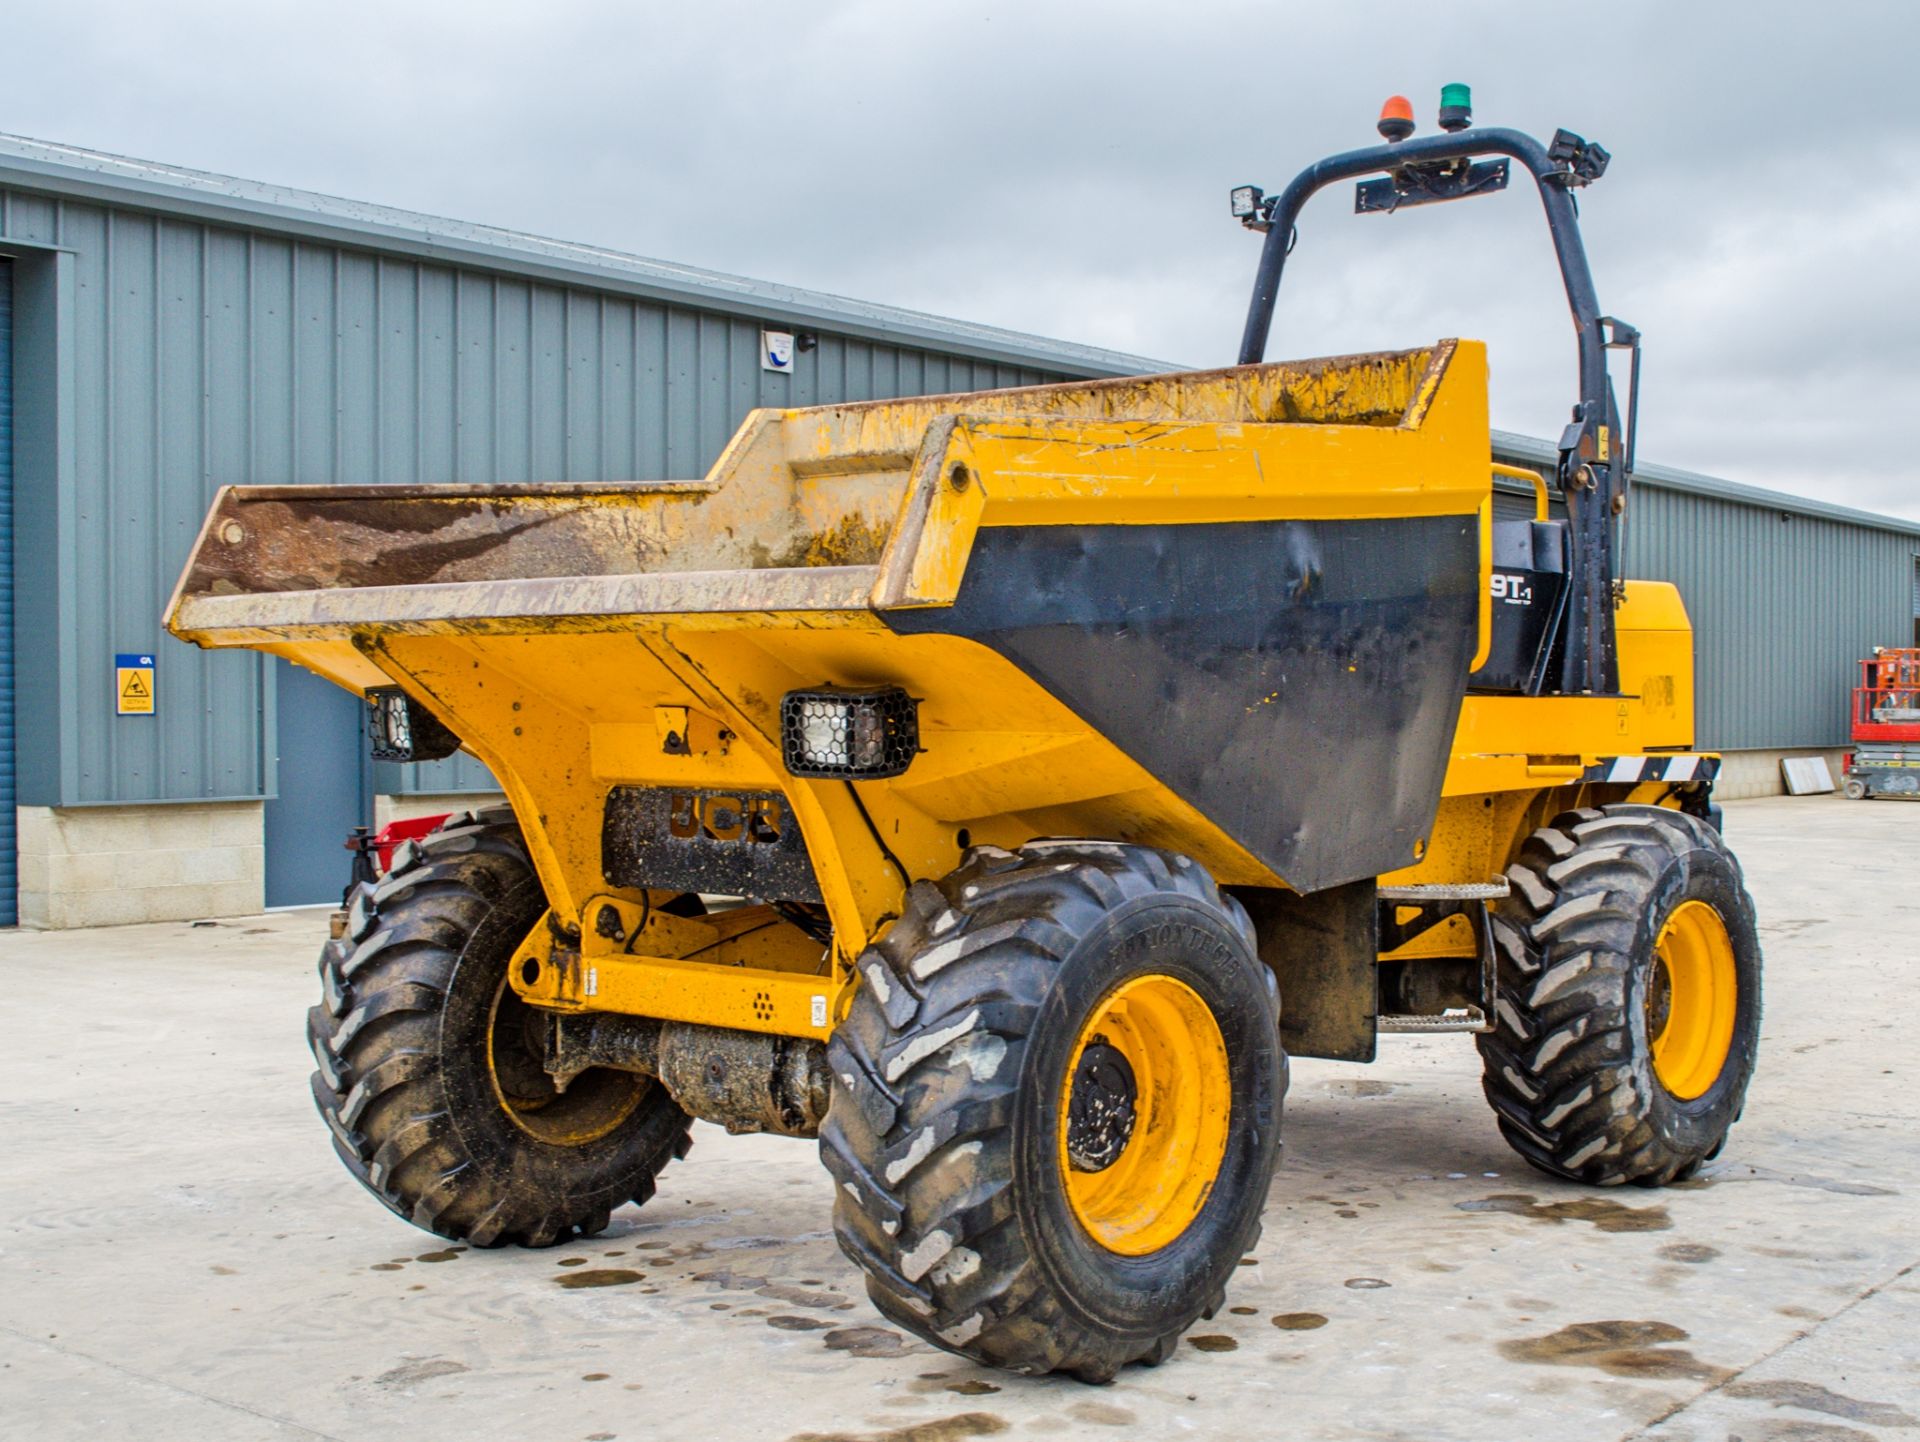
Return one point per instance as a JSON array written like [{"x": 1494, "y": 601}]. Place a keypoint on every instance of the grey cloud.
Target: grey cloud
[{"x": 1062, "y": 168}]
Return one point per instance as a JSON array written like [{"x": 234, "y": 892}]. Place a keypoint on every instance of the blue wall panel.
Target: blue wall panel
[
  {"x": 208, "y": 355},
  {"x": 9, "y": 840}
]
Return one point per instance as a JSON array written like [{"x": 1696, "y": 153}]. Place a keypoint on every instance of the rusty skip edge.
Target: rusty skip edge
[
  {"x": 503, "y": 607},
  {"x": 289, "y": 563},
  {"x": 282, "y": 563}
]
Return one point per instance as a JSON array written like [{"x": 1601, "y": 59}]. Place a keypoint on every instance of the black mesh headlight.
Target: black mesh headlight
[
  {"x": 399, "y": 728},
  {"x": 857, "y": 732}
]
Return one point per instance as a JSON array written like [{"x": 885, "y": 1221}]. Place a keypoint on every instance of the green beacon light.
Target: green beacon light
[{"x": 1456, "y": 107}]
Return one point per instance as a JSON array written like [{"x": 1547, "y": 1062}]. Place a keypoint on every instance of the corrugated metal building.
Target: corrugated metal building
[
  {"x": 172, "y": 331},
  {"x": 1786, "y": 594}
]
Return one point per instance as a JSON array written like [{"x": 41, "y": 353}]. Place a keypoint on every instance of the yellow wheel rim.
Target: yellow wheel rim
[
  {"x": 1143, "y": 1198},
  {"x": 1691, "y": 1000}
]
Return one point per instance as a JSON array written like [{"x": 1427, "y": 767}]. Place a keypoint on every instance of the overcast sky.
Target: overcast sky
[{"x": 1063, "y": 169}]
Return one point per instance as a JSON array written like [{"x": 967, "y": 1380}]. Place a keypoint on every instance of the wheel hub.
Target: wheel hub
[
  {"x": 1101, "y": 1107},
  {"x": 1659, "y": 1000},
  {"x": 1144, "y": 1107},
  {"x": 594, "y": 1104}
]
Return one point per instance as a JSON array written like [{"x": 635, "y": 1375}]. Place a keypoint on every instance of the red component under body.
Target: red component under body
[
  {"x": 1886, "y": 703},
  {"x": 393, "y": 833}
]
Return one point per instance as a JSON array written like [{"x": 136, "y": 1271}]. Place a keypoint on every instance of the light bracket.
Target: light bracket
[
  {"x": 851, "y": 733},
  {"x": 1251, "y": 207},
  {"x": 399, "y": 728}
]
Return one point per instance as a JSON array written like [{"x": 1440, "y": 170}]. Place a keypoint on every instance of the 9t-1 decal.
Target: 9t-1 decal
[{"x": 1514, "y": 589}]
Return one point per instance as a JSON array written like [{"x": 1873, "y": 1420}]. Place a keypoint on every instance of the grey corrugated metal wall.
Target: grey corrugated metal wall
[
  {"x": 9, "y": 839},
  {"x": 207, "y": 355},
  {"x": 1783, "y": 604}
]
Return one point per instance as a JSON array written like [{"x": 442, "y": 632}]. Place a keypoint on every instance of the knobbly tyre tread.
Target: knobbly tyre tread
[
  {"x": 1573, "y": 1092},
  {"x": 376, "y": 1039},
  {"x": 926, "y": 1069}
]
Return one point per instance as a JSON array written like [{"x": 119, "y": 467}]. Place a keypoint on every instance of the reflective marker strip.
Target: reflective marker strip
[{"x": 1631, "y": 770}]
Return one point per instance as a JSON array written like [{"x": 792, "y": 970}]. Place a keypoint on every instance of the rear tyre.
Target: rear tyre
[
  {"x": 1856, "y": 789},
  {"x": 1056, "y": 1107},
  {"x": 1628, "y": 1012},
  {"x": 429, "y": 1065}
]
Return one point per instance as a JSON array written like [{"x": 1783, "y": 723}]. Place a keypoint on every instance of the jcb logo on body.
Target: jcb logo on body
[{"x": 753, "y": 819}]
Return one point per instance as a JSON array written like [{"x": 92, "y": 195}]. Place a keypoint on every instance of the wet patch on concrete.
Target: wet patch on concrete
[
  {"x": 445, "y": 1254},
  {"x": 1798, "y": 1431},
  {"x": 1812, "y": 1397},
  {"x": 1214, "y": 1342},
  {"x": 387, "y": 1267},
  {"x": 786, "y": 1322},
  {"x": 729, "y": 1280},
  {"x": 970, "y": 1387},
  {"x": 571, "y": 1262},
  {"x": 598, "y": 1277},
  {"x": 425, "y": 1370},
  {"x": 1299, "y": 1321},
  {"x": 867, "y": 1342},
  {"x": 1749, "y": 1173},
  {"x": 1692, "y": 1253},
  {"x": 799, "y": 1297},
  {"x": 1244, "y": 1311},
  {"x": 944, "y": 1429},
  {"x": 1606, "y": 1214},
  {"x": 1620, "y": 1349}
]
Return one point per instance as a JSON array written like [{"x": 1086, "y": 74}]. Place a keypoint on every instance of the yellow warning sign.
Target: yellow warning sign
[{"x": 133, "y": 685}]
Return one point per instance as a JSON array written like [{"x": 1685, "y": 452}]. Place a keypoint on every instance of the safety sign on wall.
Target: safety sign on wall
[{"x": 133, "y": 685}]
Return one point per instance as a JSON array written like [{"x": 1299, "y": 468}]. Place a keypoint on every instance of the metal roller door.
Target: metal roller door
[{"x": 9, "y": 866}]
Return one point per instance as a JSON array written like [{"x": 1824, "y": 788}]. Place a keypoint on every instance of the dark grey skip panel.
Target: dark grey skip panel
[{"x": 1297, "y": 682}]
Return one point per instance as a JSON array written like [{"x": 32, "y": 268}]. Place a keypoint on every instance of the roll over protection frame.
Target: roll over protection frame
[{"x": 1595, "y": 458}]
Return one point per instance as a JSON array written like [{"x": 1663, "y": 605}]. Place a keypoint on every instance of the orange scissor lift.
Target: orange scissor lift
[{"x": 1886, "y": 726}]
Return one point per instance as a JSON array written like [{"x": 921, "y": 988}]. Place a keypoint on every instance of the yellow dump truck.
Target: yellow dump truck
[{"x": 1000, "y": 787}]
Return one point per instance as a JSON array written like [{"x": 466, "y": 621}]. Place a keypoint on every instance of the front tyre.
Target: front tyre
[
  {"x": 1056, "y": 1107},
  {"x": 1628, "y": 1012},
  {"x": 430, "y": 1071}
]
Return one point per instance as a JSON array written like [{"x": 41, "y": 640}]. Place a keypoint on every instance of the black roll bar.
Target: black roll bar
[{"x": 1592, "y": 472}]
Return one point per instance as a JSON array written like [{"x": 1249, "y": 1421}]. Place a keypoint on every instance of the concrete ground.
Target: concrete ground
[{"x": 184, "y": 1258}]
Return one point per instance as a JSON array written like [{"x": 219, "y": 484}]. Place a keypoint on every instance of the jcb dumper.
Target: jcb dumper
[{"x": 999, "y": 787}]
